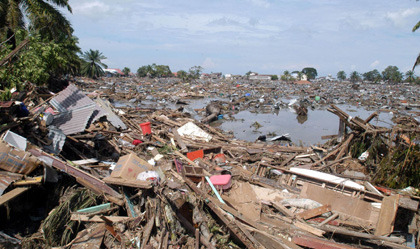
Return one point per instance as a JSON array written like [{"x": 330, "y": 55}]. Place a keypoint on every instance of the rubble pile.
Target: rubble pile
[{"x": 76, "y": 172}]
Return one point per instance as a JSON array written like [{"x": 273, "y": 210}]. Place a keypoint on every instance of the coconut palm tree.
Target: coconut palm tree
[
  {"x": 36, "y": 15},
  {"x": 410, "y": 76},
  {"x": 92, "y": 65}
]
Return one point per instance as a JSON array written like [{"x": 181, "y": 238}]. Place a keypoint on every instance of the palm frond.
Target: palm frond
[{"x": 416, "y": 26}]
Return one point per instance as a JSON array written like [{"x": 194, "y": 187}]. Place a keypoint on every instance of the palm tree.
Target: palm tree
[
  {"x": 37, "y": 15},
  {"x": 409, "y": 76},
  {"x": 354, "y": 77},
  {"x": 126, "y": 71},
  {"x": 92, "y": 65}
]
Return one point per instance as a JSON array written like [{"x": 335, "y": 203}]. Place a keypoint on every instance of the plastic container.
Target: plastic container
[
  {"x": 221, "y": 181},
  {"x": 146, "y": 128},
  {"x": 220, "y": 117}
]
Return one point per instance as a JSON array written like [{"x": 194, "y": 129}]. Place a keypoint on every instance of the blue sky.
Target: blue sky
[{"x": 264, "y": 36}]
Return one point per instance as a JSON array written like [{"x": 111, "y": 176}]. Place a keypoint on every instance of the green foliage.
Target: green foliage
[
  {"x": 195, "y": 72},
  {"x": 286, "y": 76},
  {"x": 400, "y": 168},
  {"x": 41, "y": 17},
  {"x": 373, "y": 76},
  {"x": 274, "y": 77},
  {"x": 92, "y": 64},
  {"x": 417, "y": 26},
  {"x": 310, "y": 72},
  {"x": 126, "y": 71},
  {"x": 41, "y": 61},
  {"x": 410, "y": 77},
  {"x": 182, "y": 74},
  {"x": 341, "y": 75},
  {"x": 354, "y": 77},
  {"x": 392, "y": 74},
  {"x": 154, "y": 71},
  {"x": 57, "y": 228}
]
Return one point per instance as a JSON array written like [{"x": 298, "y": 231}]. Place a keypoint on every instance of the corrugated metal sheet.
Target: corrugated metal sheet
[
  {"x": 71, "y": 98},
  {"x": 74, "y": 121},
  {"x": 78, "y": 111},
  {"x": 6, "y": 180},
  {"x": 110, "y": 115}
]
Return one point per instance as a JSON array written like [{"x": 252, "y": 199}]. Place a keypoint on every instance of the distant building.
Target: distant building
[
  {"x": 260, "y": 77},
  {"x": 302, "y": 82},
  {"x": 112, "y": 72}
]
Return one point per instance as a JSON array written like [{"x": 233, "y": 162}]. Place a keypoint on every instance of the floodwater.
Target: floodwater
[{"x": 302, "y": 131}]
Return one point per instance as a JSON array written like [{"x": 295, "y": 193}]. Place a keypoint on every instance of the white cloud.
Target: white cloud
[
  {"x": 88, "y": 8},
  {"x": 374, "y": 64},
  {"x": 208, "y": 63},
  {"x": 399, "y": 18}
]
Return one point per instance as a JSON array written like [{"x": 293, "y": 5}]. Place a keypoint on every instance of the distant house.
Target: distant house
[
  {"x": 260, "y": 77},
  {"x": 113, "y": 72},
  {"x": 302, "y": 82}
]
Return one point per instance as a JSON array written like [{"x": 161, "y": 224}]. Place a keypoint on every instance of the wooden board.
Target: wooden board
[
  {"x": 362, "y": 210},
  {"x": 11, "y": 195},
  {"x": 313, "y": 242},
  {"x": 128, "y": 183},
  {"x": 97, "y": 218},
  {"x": 89, "y": 238},
  {"x": 314, "y": 212},
  {"x": 387, "y": 215}
]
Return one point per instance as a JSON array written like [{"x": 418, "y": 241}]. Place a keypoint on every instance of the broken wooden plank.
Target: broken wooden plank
[
  {"x": 283, "y": 209},
  {"x": 343, "y": 231},
  {"x": 29, "y": 181},
  {"x": 12, "y": 194},
  {"x": 308, "y": 228},
  {"x": 83, "y": 177},
  {"x": 179, "y": 141},
  {"x": 314, "y": 212},
  {"x": 128, "y": 183},
  {"x": 110, "y": 228},
  {"x": 236, "y": 231},
  {"x": 89, "y": 238},
  {"x": 356, "y": 207},
  {"x": 332, "y": 217},
  {"x": 387, "y": 215},
  {"x": 318, "y": 243},
  {"x": 97, "y": 218}
]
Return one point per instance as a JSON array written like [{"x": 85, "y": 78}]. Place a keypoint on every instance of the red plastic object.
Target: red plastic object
[
  {"x": 221, "y": 181},
  {"x": 195, "y": 154},
  {"x": 220, "y": 159},
  {"x": 146, "y": 128},
  {"x": 136, "y": 142}
]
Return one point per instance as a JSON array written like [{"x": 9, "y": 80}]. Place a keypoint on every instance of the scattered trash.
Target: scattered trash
[{"x": 78, "y": 171}]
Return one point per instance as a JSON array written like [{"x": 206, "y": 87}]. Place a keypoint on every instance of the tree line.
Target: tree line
[{"x": 390, "y": 74}]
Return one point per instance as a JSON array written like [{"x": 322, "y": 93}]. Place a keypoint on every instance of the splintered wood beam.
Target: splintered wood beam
[
  {"x": 235, "y": 230},
  {"x": 12, "y": 194},
  {"x": 314, "y": 212},
  {"x": 81, "y": 176},
  {"x": 318, "y": 243}
]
